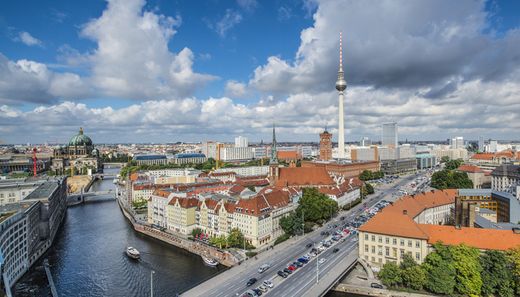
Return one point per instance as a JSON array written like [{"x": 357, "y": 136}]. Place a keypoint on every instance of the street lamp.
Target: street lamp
[
  {"x": 317, "y": 268},
  {"x": 151, "y": 282}
]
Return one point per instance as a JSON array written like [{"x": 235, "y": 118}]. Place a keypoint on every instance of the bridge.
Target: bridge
[
  {"x": 104, "y": 176},
  {"x": 74, "y": 199}
]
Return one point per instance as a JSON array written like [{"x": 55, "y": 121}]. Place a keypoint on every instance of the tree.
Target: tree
[
  {"x": 365, "y": 175},
  {"x": 513, "y": 256},
  {"x": 316, "y": 206},
  {"x": 369, "y": 188},
  {"x": 219, "y": 241},
  {"x": 448, "y": 179},
  {"x": 467, "y": 269},
  {"x": 414, "y": 277},
  {"x": 445, "y": 159},
  {"x": 497, "y": 277},
  {"x": 440, "y": 273},
  {"x": 390, "y": 275},
  {"x": 453, "y": 164},
  {"x": 196, "y": 232}
]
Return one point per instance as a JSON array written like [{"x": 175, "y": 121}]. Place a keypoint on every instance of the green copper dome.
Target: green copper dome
[{"x": 80, "y": 139}]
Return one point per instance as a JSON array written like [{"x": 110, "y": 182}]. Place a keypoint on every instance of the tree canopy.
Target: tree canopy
[{"x": 450, "y": 179}]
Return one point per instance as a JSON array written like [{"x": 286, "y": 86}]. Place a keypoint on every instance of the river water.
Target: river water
[{"x": 87, "y": 258}]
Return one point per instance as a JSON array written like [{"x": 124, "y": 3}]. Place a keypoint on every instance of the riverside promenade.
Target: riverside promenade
[{"x": 223, "y": 257}]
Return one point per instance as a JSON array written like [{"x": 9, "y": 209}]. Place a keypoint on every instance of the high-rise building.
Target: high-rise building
[
  {"x": 241, "y": 141},
  {"x": 389, "y": 134},
  {"x": 457, "y": 142},
  {"x": 493, "y": 146},
  {"x": 480, "y": 144},
  {"x": 341, "y": 85},
  {"x": 325, "y": 146}
]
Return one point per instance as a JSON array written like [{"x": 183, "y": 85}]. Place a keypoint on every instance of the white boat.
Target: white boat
[
  {"x": 208, "y": 261},
  {"x": 132, "y": 253}
]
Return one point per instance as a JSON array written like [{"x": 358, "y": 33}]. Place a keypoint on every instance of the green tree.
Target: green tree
[
  {"x": 390, "y": 275},
  {"x": 450, "y": 179},
  {"x": 369, "y": 188},
  {"x": 219, "y": 241},
  {"x": 445, "y": 159},
  {"x": 467, "y": 268},
  {"x": 414, "y": 277},
  {"x": 365, "y": 175},
  {"x": 513, "y": 256},
  {"x": 440, "y": 272},
  {"x": 497, "y": 276},
  {"x": 453, "y": 164},
  {"x": 316, "y": 206}
]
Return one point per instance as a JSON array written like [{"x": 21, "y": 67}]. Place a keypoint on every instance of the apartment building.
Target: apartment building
[{"x": 182, "y": 215}]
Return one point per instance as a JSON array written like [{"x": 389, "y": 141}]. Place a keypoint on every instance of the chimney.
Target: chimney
[
  {"x": 457, "y": 227},
  {"x": 405, "y": 212},
  {"x": 516, "y": 230}
]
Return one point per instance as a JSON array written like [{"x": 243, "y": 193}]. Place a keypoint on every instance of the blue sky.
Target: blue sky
[{"x": 157, "y": 70}]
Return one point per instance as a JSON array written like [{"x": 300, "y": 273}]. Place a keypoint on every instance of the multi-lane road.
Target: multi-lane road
[{"x": 233, "y": 282}]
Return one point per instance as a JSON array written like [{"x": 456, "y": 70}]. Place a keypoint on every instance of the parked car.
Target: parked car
[
  {"x": 298, "y": 263},
  {"x": 335, "y": 250},
  {"x": 309, "y": 245},
  {"x": 258, "y": 292},
  {"x": 286, "y": 270},
  {"x": 376, "y": 285},
  {"x": 291, "y": 267},
  {"x": 269, "y": 283},
  {"x": 262, "y": 288},
  {"x": 251, "y": 281},
  {"x": 263, "y": 268},
  {"x": 282, "y": 274}
]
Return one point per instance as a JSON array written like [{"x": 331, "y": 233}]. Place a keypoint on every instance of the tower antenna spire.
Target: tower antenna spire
[{"x": 341, "y": 51}]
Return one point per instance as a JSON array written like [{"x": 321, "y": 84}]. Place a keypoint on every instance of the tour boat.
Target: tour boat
[
  {"x": 132, "y": 253},
  {"x": 208, "y": 261}
]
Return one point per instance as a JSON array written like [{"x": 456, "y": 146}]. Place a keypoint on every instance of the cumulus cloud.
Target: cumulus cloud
[
  {"x": 248, "y": 5},
  {"x": 29, "y": 40},
  {"x": 235, "y": 89}
]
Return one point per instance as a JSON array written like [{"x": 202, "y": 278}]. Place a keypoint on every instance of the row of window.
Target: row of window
[{"x": 402, "y": 241}]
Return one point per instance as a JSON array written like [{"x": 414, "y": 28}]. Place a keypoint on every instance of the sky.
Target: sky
[{"x": 172, "y": 70}]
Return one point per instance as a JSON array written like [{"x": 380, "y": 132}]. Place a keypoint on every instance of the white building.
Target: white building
[
  {"x": 157, "y": 208},
  {"x": 246, "y": 171},
  {"x": 15, "y": 190},
  {"x": 241, "y": 141},
  {"x": 259, "y": 152},
  {"x": 236, "y": 153},
  {"x": 389, "y": 134},
  {"x": 457, "y": 142}
]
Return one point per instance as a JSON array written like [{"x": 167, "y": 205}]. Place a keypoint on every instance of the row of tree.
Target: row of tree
[
  {"x": 313, "y": 208},
  {"x": 120, "y": 158},
  {"x": 458, "y": 270},
  {"x": 235, "y": 239},
  {"x": 370, "y": 175}
]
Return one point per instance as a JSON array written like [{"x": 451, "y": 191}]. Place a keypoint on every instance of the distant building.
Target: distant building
[
  {"x": 246, "y": 171},
  {"x": 493, "y": 146},
  {"x": 241, "y": 141},
  {"x": 346, "y": 170},
  {"x": 505, "y": 205},
  {"x": 150, "y": 159},
  {"x": 23, "y": 163},
  {"x": 479, "y": 177},
  {"x": 425, "y": 161},
  {"x": 236, "y": 153},
  {"x": 389, "y": 135},
  {"x": 260, "y": 152},
  {"x": 481, "y": 145},
  {"x": 325, "y": 146},
  {"x": 506, "y": 178},
  {"x": 457, "y": 143},
  {"x": 365, "y": 141},
  {"x": 79, "y": 154},
  {"x": 188, "y": 158}
]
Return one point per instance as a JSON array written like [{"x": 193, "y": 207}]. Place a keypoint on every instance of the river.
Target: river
[{"x": 87, "y": 258}]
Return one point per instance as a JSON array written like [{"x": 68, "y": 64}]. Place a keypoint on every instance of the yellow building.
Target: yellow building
[{"x": 182, "y": 215}]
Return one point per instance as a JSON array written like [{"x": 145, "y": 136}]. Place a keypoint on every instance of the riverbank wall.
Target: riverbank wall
[
  {"x": 194, "y": 247},
  {"x": 369, "y": 291}
]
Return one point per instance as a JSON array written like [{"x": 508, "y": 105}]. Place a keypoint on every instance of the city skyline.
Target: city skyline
[{"x": 147, "y": 71}]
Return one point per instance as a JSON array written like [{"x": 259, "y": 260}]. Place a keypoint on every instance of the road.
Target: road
[{"x": 234, "y": 284}]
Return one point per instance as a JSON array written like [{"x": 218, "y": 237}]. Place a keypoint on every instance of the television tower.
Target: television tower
[{"x": 341, "y": 85}]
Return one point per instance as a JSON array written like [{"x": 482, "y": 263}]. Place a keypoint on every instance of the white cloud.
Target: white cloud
[
  {"x": 28, "y": 39},
  {"x": 228, "y": 21},
  {"x": 248, "y": 5},
  {"x": 235, "y": 89}
]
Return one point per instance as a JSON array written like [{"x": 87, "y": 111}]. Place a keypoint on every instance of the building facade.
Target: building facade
[
  {"x": 389, "y": 135},
  {"x": 325, "y": 146}
]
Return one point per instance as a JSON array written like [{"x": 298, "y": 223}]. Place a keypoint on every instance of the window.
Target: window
[
  {"x": 409, "y": 243},
  {"x": 402, "y": 242},
  {"x": 380, "y": 239},
  {"x": 373, "y": 238},
  {"x": 402, "y": 253},
  {"x": 387, "y": 240},
  {"x": 394, "y": 241},
  {"x": 417, "y": 244},
  {"x": 387, "y": 251},
  {"x": 366, "y": 248},
  {"x": 366, "y": 236},
  {"x": 417, "y": 256},
  {"x": 373, "y": 249}
]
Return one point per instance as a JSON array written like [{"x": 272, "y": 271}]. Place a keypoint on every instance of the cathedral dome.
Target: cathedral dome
[{"x": 80, "y": 139}]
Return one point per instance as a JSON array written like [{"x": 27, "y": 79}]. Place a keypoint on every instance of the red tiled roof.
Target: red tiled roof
[
  {"x": 484, "y": 239},
  {"x": 483, "y": 156},
  {"x": 185, "y": 202},
  {"x": 304, "y": 176},
  {"x": 469, "y": 168},
  {"x": 161, "y": 193},
  {"x": 288, "y": 155},
  {"x": 263, "y": 203}
]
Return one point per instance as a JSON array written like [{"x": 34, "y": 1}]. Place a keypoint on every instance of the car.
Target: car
[
  {"x": 322, "y": 260},
  {"x": 291, "y": 267},
  {"x": 298, "y": 263},
  {"x": 322, "y": 233},
  {"x": 286, "y": 270},
  {"x": 303, "y": 260},
  {"x": 258, "y": 292},
  {"x": 249, "y": 293},
  {"x": 282, "y": 274},
  {"x": 263, "y": 268},
  {"x": 269, "y": 283},
  {"x": 262, "y": 288},
  {"x": 309, "y": 245},
  {"x": 342, "y": 218},
  {"x": 376, "y": 285},
  {"x": 251, "y": 281},
  {"x": 335, "y": 250}
]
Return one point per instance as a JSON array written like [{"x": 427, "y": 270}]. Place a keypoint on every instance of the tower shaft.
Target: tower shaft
[{"x": 341, "y": 86}]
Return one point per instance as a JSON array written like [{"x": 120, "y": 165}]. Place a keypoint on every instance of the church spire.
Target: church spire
[{"x": 274, "y": 153}]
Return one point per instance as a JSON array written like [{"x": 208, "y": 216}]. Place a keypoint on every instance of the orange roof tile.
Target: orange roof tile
[
  {"x": 483, "y": 156},
  {"x": 469, "y": 168},
  {"x": 304, "y": 176},
  {"x": 393, "y": 223},
  {"x": 484, "y": 239},
  {"x": 288, "y": 155}
]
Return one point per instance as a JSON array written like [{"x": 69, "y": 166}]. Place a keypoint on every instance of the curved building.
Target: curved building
[{"x": 79, "y": 153}]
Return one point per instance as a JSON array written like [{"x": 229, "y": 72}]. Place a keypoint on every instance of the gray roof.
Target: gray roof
[{"x": 487, "y": 224}]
